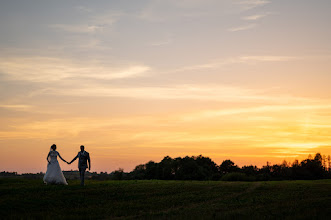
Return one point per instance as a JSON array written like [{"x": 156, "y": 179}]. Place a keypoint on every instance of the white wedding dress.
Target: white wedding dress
[{"x": 54, "y": 174}]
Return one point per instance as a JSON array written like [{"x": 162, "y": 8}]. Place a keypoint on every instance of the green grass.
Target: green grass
[{"x": 30, "y": 199}]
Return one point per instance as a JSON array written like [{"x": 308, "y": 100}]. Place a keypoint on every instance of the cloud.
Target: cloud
[
  {"x": 237, "y": 60},
  {"x": 73, "y": 126},
  {"x": 129, "y": 72},
  {"x": 250, "y": 4},
  {"x": 215, "y": 93},
  {"x": 267, "y": 58},
  {"x": 320, "y": 147},
  {"x": 242, "y": 28},
  {"x": 94, "y": 23},
  {"x": 16, "y": 107},
  {"x": 254, "y": 17},
  {"x": 247, "y": 5},
  {"x": 253, "y": 110},
  {"x": 162, "y": 11},
  {"x": 82, "y": 29},
  {"x": 107, "y": 19},
  {"x": 46, "y": 69},
  {"x": 301, "y": 147}
]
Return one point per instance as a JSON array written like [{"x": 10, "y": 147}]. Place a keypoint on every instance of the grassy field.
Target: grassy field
[{"x": 21, "y": 198}]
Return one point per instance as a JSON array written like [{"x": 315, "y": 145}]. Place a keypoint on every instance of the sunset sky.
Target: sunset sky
[{"x": 134, "y": 81}]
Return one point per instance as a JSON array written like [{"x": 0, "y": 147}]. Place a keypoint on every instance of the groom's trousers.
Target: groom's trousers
[{"x": 82, "y": 175}]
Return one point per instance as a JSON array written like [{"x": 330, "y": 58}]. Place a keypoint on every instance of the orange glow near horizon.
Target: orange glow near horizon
[{"x": 246, "y": 136}]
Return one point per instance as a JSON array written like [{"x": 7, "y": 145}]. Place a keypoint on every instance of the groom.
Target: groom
[{"x": 83, "y": 157}]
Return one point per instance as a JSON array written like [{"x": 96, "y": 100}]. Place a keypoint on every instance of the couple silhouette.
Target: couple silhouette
[{"x": 54, "y": 173}]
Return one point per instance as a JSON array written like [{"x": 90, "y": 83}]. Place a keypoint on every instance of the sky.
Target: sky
[{"x": 134, "y": 81}]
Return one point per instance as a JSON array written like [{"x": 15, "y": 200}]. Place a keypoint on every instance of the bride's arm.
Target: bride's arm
[
  {"x": 48, "y": 156},
  {"x": 62, "y": 158}
]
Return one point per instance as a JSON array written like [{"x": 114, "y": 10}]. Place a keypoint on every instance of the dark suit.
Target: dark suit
[{"x": 83, "y": 157}]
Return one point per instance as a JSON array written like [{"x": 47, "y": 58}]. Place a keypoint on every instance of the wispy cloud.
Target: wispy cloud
[
  {"x": 254, "y": 17},
  {"x": 242, "y": 28},
  {"x": 301, "y": 145},
  {"x": 163, "y": 11},
  {"x": 250, "y": 4},
  {"x": 215, "y": 93},
  {"x": 93, "y": 24},
  {"x": 16, "y": 107},
  {"x": 45, "y": 69},
  {"x": 253, "y": 110},
  {"x": 237, "y": 60},
  {"x": 79, "y": 28},
  {"x": 247, "y": 5},
  {"x": 107, "y": 19},
  {"x": 267, "y": 58},
  {"x": 129, "y": 72}
]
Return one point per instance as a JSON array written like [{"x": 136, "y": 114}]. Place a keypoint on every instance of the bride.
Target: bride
[{"x": 54, "y": 174}]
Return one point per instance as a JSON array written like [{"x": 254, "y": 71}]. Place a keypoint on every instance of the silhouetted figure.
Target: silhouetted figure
[
  {"x": 83, "y": 157},
  {"x": 54, "y": 174}
]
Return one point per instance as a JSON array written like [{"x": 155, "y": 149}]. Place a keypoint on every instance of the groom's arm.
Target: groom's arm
[
  {"x": 74, "y": 159},
  {"x": 89, "y": 162}
]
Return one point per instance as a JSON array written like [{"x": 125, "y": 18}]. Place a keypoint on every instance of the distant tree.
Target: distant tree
[
  {"x": 280, "y": 172},
  {"x": 285, "y": 164},
  {"x": 165, "y": 169},
  {"x": 139, "y": 172},
  {"x": 8, "y": 174},
  {"x": 312, "y": 168},
  {"x": 151, "y": 170},
  {"x": 228, "y": 166},
  {"x": 318, "y": 159},
  {"x": 250, "y": 170},
  {"x": 324, "y": 162},
  {"x": 118, "y": 174},
  {"x": 188, "y": 169},
  {"x": 265, "y": 172},
  {"x": 208, "y": 168}
]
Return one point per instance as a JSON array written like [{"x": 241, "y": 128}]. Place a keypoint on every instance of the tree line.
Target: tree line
[{"x": 203, "y": 168}]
